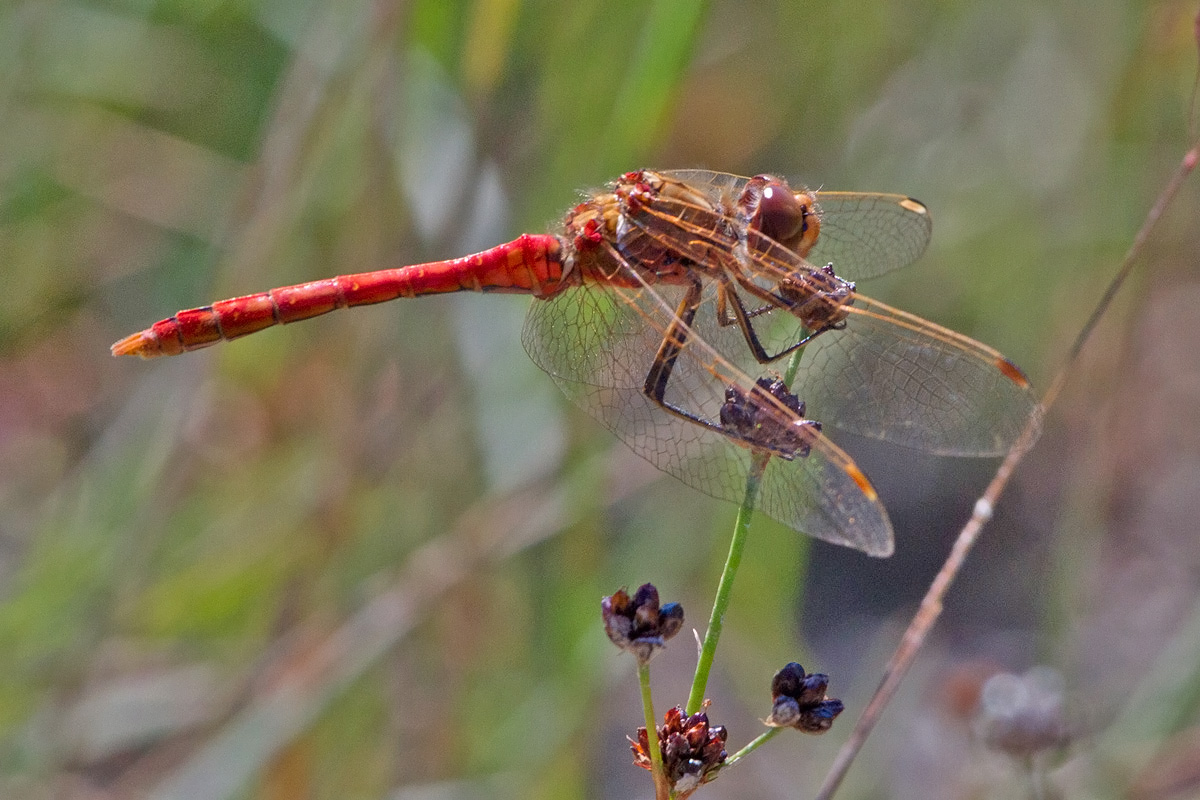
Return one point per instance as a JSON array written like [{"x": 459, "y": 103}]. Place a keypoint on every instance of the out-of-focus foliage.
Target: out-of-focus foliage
[{"x": 363, "y": 556}]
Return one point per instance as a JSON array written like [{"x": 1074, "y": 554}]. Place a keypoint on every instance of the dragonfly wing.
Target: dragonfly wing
[
  {"x": 823, "y": 494},
  {"x": 865, "y": 234},
  {"x": 894, "y": 376},
  {"x": 593, "y": 340},
  {"x": 598, "y": 346},
  {"x": 717, "y": 185},
  {"x": 826, "y": 496},
  {"x": 591, "y": 337}
]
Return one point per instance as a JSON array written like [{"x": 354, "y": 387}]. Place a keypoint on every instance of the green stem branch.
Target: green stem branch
[
  {"x": 661, "y": 790},
  {"x": 741, "y": 529},
  {"x": 716, "y": 620},
  {"x": 762, "y": 739}
]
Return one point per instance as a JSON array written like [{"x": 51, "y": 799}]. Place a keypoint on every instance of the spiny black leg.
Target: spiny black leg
[
  {"x": 728, "y": 296},
  {"x": 672, "y": 345}
]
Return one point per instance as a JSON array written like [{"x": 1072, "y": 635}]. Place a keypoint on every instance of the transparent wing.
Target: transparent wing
[
  {"x": 865, "y": 234},
  {"x": 893, "y": 376},
  {"x": 896, "y": 377},
  {"x": 598, "y": 345},
  {"x": 592, "y": 337},
  {"x": 886, "y": 374}
]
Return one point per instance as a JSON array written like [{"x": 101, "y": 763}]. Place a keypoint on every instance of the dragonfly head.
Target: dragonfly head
[{"x": 770, "y": 207}]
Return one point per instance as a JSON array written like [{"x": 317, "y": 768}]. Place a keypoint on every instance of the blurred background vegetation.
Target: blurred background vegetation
[{"x": 363, "y": 556}]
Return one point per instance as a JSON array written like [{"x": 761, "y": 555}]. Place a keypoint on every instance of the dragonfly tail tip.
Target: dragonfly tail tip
[{"x": 142, "y": 344}]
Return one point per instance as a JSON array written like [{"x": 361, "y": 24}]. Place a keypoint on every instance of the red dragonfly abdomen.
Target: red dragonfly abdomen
[{"x": 530, "y": 264}]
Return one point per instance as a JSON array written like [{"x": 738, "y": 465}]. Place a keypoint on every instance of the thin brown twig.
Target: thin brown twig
[
  {"x": 931, "y": 605},
  {"x": 1139, "y": 241}
]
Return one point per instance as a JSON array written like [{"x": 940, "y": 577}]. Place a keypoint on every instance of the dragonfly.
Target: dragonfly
[{"x": 668, "y": 306}]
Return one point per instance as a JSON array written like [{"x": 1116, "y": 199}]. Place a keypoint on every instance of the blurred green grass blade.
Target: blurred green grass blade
[
  {"x": 488, "y": 44},
  {"x": 93, "y": 532},
  {"x": 1166, "y": 700},
  {"x": 435, "y": 26},
  {"x": 652, "y": 81}
]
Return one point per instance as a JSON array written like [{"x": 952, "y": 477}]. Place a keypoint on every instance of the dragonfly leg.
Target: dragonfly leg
[
  {"x": 727, "y": 297},
  {"x": 672, "y": 345},
  {"x": 725, "y": 319},
  {"x": 750, "y": 420}
]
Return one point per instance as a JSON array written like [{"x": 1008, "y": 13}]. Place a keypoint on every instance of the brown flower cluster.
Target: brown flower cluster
[
  {"x": 692, "y": 751},
  {"x": 638, "y": 624},
  {"x": 799, "y": 701}
]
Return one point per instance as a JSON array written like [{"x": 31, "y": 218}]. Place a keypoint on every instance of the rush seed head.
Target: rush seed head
[
  {"x": 638, "y": 624},
  {"x": 799, "y": 701},
  {"x": 692, "y": 750}
]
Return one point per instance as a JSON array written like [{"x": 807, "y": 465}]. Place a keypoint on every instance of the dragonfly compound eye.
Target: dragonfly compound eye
[{"x": 774, "y": 210}]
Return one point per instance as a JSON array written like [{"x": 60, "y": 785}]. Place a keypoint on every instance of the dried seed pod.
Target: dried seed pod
[
  {"x": 638, "y": 624},
  {"x": 798, "y": 700},
  {"x": 692, "y": 750}
]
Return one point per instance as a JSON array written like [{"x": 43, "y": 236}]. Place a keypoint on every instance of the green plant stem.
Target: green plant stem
[
  {"x": 762, "y": 739},
  {"x": 741, "y": 528},
  {"x": 716, "y": 620},
  {"x": 661, "y": 790}
]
